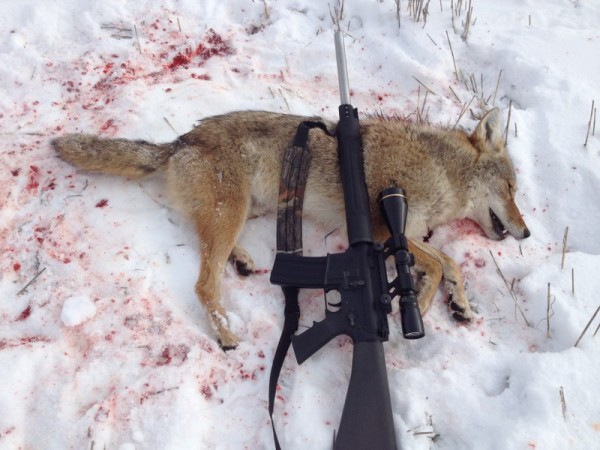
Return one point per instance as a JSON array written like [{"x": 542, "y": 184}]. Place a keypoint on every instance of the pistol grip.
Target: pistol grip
[{"x": 307, "y": 343}]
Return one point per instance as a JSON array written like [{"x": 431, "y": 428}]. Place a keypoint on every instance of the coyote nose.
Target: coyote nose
[{"x": 526, "y": 233}]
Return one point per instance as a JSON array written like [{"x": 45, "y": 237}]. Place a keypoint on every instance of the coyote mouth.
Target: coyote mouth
[{"x": 499, "y": 227}]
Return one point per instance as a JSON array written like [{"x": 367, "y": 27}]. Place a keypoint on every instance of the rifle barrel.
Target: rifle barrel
[{"x": 342, "y": 68}]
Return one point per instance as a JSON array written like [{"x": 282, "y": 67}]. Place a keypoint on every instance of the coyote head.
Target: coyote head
[{"x": 493, "y": 184}]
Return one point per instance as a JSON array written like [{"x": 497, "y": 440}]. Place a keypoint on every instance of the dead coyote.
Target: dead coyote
[{"x": 228, "y": 167}]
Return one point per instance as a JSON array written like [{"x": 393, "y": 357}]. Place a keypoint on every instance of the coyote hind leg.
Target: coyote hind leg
[{"x": 218, "y": 235}]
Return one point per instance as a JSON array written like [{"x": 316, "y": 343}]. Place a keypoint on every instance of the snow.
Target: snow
[
  {"x": 103, "y": 343},
  {"x": 77, "y": 310}
]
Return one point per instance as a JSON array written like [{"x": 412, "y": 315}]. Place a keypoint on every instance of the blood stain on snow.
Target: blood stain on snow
[
  {"x": 206, "y": 391},
  {"x": 102, "y": 203},
  {"x": 173, "y": 355},
  {"x": 213, "y": 45},
  {"x": 34, "y": 178},
  {"x": 467, "y": 227},
  {"x": 109, "y": 124},
  {"x": 24, "y": 314},
  {"x": 23, "y": 341}
]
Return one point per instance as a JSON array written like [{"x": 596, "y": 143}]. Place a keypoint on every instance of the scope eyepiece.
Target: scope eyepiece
[{"x": 410, "y": 318}]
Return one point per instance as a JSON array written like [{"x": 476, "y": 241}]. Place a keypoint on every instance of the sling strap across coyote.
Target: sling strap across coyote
[{"x": 294, "y": 173}]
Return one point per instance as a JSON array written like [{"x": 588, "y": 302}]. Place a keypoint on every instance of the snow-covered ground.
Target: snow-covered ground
[{"x": 103, "y": 344}]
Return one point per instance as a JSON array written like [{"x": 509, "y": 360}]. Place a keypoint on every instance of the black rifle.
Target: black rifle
[{"x": 360, "y": 276}]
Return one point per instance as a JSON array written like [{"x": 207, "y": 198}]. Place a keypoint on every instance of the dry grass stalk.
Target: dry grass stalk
[
  {"x": 421, "y": 117},
  {"x": 563, "y": 402},
  {"x": 507, "y": 123},
  {"x": 337, "y": 14},
  {"x": 418, "y": 9},
  {"x": 426, "y": 88},
  {"x": 590, "y": 122},
  {"x": 137, "y": 38},
  {"x": 467, "y": 27},
  {"x": 510, "y": 290},
  {"x": 464, "y": 109},
  {"x": 564, "y": 249},
  {"x": 453, "y": 59},
  {"x": 455, "y": 94},
  {"x": 35, "y": 277},
  {"x": 398, "y": 11},
  {"x": 118, "y": 31},
  {"x": 171, "y": 126},
  {"x": 549, "y": 311},
  {"x": 496, "y": 91},
  {"x": 287, "y": 105},
  {"x": 587, "y": 326}
]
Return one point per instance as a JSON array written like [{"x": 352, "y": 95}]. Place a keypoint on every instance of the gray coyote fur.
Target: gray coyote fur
[{"x": 227, "y": 169}]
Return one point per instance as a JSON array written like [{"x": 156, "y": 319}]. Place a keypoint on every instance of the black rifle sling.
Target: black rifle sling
[{"x": 294, "y": 172}]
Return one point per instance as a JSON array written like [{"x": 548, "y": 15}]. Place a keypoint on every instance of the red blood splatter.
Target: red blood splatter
[
  {"x": 34, "y": 178},
  {"x": 102, "y": 203},
  {"x": 16, "y": 172},
  {"x": 108, "y": 124},
  {"x": 24, "y": 314},
  {"x": 214, "y": 45},
  {"x": 203, "y": 76},
  {"x": 165, "y": 357},
  {"x": 175, "y": 355},
  {"x": 206, "y": 391},
  {"x": 16, "y": 267},
  {"x": 181, "y": 60}
]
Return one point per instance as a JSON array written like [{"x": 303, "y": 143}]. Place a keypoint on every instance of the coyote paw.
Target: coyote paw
[
  {"x": 242, "y": 261},
  {"x": 228, "y": 341},
  {"x": 228, "y": 347},
  {"x": 461, "y": 311}
]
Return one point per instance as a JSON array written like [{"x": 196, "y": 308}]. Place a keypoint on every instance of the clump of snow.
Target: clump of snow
[{"x": 77, "y": 310}]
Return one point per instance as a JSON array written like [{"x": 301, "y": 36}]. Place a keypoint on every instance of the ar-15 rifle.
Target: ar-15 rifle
[{"x": 360, "y": 276}]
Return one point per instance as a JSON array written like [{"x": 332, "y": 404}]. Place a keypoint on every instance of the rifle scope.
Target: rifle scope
[{"x": 394, "y": 208}]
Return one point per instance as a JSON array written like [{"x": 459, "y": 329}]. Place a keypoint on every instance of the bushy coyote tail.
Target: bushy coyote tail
[{"x": 132, "y": 159}]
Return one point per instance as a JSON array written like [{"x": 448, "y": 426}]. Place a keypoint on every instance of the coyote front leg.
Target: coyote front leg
[{"x": 435, "y": 265}]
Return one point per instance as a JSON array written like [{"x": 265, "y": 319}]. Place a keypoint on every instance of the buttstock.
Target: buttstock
[{"x": 367, "y": 422}]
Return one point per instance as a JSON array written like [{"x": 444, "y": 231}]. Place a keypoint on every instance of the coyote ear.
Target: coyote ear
[{"x": 488, "y": 133}]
